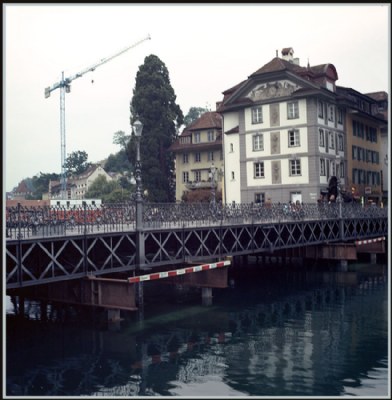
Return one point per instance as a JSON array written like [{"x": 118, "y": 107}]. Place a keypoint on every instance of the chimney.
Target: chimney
[{"x": 287, "y": 54}]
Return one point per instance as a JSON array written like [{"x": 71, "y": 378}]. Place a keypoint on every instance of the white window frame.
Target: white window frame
[
  {"x": 196, "y": 137},
  {"x": 258, "y": 169},
  {"x": 210, "y": 135},
  {"x": 292, "y": 110},
  {"x": 321, "y": 137},
  {"x": 258, "y": 142},
  {"x": 185, "y": 177},
  {"x": 210, "y": 156},
  {"x": 320, "y": 109},
  {"x": 293, "y": 138},
  {"x": 257, "y": 115},
  {"x": 197, "y": 176},
  {"x": 331, "y": 139},
  {"x": 197, "y": 157},
  {"x": 185, "y": 158},
  {"x": 322, "y": 167},
  {"x": 295, "y": 167}
]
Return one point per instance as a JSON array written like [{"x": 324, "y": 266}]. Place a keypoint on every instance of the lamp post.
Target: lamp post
[
  {"x": 137, "y": 130},
  {"x": 140, "y": 256}
]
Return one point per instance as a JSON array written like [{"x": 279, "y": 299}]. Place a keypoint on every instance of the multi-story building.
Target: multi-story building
[
  {"x": 198, "y": 156},
  {"x": 284, "y": 133},
  {"x": 381, "y": 99},
  {"x": 364, "y": 145},
  {"x": 78, "y": 185}
]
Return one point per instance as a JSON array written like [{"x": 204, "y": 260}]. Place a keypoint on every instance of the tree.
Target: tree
[
  {"x": 121, "y": 139},
  {"x": 108, "y": 191},
  {"x": 193, "y": 114},
  {"x": 76, "y": 163},
  {"x": 154, "y": 104},
  {"x": 40, "y": 184},
  {"x": 118, "y": 162}
]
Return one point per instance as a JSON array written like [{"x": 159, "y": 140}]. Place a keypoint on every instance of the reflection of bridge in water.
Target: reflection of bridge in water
[{"x": 137, "y": 361}]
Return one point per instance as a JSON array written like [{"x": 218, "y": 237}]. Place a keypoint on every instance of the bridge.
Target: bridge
[{"x": 55, "y": 244}]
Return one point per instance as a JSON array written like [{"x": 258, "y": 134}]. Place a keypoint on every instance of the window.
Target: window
[
  {"x": 322, "y": 167},
  {"x": 294, "y": 138},
  {"x": 259, "y": 169},
  {"x": 258, "y": 142},
  {"x": 196, "y": 137},
  {"x": 185, "y": 177},
  {"x": 292, "y": 110},
  {"x": 210, "y": 156},
  {"x": 295, "y": 167},
  {"x": 185, "y": 158},
  {"x": 340, "y": 143},
  {"x": 331, "y": 113},
  {"x": 340, "y": 116},
  {"x": 259, "y": 198},
  {"x": 321, "y": 138},
  {"x": 331, "y": 140},
  {"x": 210, "y": 136},
  {"x": 257, "y": 115},
  {"x": 354, "y": 152},
  {"x": 197, "y": 176},
  {"x": 341, "y": 170},
  {"x": 197, "y": 157},
  {"x": 320, "y": 107}
]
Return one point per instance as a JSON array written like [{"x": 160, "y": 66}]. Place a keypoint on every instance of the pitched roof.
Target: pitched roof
[{"x": 210, "y": 119}]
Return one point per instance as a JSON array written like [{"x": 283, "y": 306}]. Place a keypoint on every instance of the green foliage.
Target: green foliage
[
  {"x": 154, "y": 104},
  {"x": 40, "y": 184},
  {"x": 108, "y": 191},
  {"x": 193, "y": 114},
  {"x": 118, "y": 162},
  {"x": 121, "y": 139},
  {"x": 76, "y": 163}
]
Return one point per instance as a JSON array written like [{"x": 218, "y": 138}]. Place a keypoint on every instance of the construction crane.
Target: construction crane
[{"x": 65, "y": 87}]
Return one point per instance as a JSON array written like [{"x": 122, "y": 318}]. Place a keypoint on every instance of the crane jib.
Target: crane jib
[{"x": 65, "y": 87}]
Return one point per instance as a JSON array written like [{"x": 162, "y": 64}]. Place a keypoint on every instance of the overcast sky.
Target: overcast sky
[{"x": 206, "y": 48}]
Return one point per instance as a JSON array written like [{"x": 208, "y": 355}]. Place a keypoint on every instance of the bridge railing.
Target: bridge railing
[{"x": 29, "y": 222}]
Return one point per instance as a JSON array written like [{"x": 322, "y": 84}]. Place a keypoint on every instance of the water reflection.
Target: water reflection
[{"x": 274, "y": 334}]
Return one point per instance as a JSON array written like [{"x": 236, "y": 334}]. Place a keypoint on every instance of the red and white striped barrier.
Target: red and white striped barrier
[
  {"x": 176, "y": 272},
  {"x": 359, "y": 242}
]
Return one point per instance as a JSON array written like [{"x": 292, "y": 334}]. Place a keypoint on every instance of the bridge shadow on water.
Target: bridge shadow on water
[{"x": 290, "y": 330}]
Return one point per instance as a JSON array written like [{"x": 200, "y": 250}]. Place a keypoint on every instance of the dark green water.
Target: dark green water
[{"x": 276, "y": 332}]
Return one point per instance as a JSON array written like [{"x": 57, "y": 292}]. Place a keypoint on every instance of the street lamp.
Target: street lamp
[
  {"x": 140, "y": 256},
  {"x": 137, "y": 130}
]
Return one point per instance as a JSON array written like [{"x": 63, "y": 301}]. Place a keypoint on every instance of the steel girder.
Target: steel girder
[{"x": 43, "y": 260}]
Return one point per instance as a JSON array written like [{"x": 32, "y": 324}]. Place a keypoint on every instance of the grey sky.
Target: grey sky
[{"x": 206, "y": 48}]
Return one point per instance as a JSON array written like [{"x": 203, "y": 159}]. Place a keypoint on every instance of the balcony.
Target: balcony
[{"x": 200, "y": 185}]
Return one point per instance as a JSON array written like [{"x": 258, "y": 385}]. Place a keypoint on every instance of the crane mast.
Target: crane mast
[{"x": 65, "y": 87}]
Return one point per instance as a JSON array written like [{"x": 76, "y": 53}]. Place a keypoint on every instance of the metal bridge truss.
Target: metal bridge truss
[{"x": 48, "y": 259}]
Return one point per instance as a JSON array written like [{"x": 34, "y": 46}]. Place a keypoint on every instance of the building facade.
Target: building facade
[
  {"x": 364, "y": 154},
  {"x": 284, "y": 133},
  {"x": 198, "y": 157}
]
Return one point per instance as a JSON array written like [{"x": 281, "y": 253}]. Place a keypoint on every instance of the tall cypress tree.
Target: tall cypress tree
[{"x": 154, "y": 104}]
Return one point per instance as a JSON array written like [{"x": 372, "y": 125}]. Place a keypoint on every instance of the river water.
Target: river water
[{"x": 276, "y": 331}]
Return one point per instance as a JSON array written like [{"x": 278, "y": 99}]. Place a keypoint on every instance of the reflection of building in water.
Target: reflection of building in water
[{"x": 309, "y": 337}]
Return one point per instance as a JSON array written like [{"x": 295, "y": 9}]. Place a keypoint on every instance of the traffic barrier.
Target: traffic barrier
[{"x": 177, "y": 272}]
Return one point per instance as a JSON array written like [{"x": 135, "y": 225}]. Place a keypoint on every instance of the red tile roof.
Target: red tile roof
[{"x": 207, "y": 120}]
